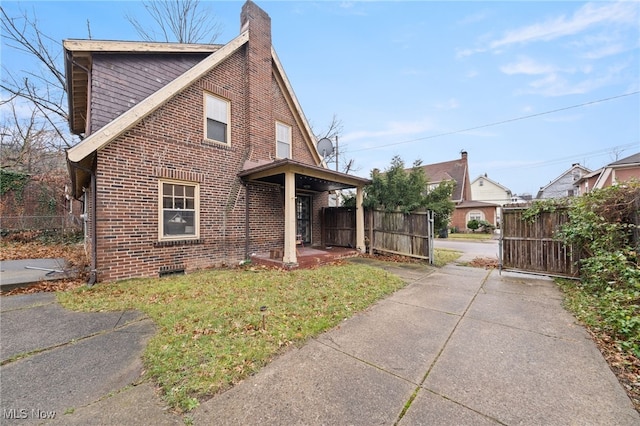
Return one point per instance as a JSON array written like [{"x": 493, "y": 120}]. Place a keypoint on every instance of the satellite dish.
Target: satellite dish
[{"x": 325, "y": 147}]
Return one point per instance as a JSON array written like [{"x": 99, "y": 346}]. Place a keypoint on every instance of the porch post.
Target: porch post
[
  {"x": 360, "y": 246},
  {"x": 290, "y": 219}
]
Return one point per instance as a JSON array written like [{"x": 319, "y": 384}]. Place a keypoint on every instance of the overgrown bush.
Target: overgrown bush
[
  {"x": 473, "y": 224},
  {"x": 603, "y": 226},
  {"x": 486, "y": 227}
]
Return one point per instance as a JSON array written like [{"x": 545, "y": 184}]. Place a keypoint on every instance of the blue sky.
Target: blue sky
[{"x": 426, "y": 79}]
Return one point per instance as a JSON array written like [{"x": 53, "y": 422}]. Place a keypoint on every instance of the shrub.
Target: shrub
[
  {"x": 602, "y": 225},
  {"x": 473, "y": 224},
  {"x": 486, "y": 227}
]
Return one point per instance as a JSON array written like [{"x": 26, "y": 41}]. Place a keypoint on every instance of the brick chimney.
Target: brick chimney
[{"x": 259, "y": 77}]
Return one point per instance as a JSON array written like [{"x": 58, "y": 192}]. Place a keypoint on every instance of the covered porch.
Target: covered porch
[{"x": 295, "y": 177}]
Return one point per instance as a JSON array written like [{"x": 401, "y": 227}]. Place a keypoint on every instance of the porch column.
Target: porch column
[
  {"x": 360, "y": 246},
  {"x": 290, "y": 219}
]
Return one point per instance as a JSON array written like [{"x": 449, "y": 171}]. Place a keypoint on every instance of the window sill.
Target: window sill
[
  {"x": 216, "y": 144},
  {"x": 174, "y": 243}
]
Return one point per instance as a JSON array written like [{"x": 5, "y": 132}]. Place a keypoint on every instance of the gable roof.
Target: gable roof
[
  {"x": 575, "y": 166},
  {"x": 131, "y": 117},
  {"x": 504, "y": 188},
  {"x": 128, "y": 119},
  {"x": 78, "y": 56},
  {"x": 600, "y": 176},
  {"x": 455, "y": 170},
  {"x": 631, "y": 160}
]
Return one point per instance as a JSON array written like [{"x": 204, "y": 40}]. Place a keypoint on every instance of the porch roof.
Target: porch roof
[{"x": 308, "y": 177}]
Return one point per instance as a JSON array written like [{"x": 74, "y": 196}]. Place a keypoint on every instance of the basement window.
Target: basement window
[{"x": 178, "y": 210}]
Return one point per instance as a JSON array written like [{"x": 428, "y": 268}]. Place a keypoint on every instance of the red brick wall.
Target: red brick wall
[
  {"x": 169, "y": 143},
  {"x": 459, "y": 217}
]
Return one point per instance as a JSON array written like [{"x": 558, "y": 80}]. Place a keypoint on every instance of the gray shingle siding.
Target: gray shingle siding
[{"x": 120, "y": 81}]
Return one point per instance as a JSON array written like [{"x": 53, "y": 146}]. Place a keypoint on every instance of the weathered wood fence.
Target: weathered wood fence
[
  {"x": 390, "y": 232},
  {"x": 532, "y": 246}
]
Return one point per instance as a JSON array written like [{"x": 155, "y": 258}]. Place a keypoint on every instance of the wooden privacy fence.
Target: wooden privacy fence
[
  {"x": 391, "y": 232},
  {"x": 532, "y": 245}
]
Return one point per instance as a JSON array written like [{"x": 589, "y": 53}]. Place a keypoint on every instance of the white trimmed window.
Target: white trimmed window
[
  {"x": 178, "y": 212},
  {"x": 475, "y": 215},
  {"x": 283, "y": 141},
  {"x": 217, "y": 119}
]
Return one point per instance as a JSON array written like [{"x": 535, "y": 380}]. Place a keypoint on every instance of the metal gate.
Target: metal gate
[{"x": 532, "y": 246}]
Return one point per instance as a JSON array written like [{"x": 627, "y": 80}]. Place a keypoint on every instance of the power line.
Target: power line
[
  {"x": 510, "y": 120},
  {"x": 585, "y": 155}
]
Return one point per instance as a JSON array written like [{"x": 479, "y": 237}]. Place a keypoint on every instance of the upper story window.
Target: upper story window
[
  {"x": 217, "y": 118},
  {"x": 179, "y": 204},
  {"x": 283, "y": 141}
]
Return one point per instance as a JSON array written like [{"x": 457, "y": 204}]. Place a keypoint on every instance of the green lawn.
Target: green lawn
[{"x": 211, "y": 332}]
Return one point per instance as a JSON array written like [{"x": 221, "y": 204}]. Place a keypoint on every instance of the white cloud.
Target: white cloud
[
  {"x": 471, "y": 19},
  {"x": 552, "y": 80},
  {"x": 394, "y": 131},
  {"x": 604, "y": 51},
  {"x": 586, "y": 17},
  {"x": 526, "y": 65},
  {"x": 451, "y": 103},
  {"x": 411, "y": 71}
]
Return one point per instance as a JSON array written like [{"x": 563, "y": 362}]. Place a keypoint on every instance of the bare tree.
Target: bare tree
[
  {"x": 333, "y": 132},
  {"x": 182, "y": 21},
  {"x": 27, "y": 143},
  {"x": 44, "y": 85},
  {"x": 44, "y": 88}
]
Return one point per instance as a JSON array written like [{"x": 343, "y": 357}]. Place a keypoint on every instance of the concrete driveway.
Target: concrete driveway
[{"x": 469, "y": 249}]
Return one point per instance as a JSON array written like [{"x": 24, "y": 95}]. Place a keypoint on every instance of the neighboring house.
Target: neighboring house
[
  {"x": 193, "y": 156},
  {"x": 619, "y": 171},
  {"x": 466, "y": 209},
  {"x": 565, "y": 184},
  {"x": 487, "y": 190},
  {"x": 469, "y": 210}
]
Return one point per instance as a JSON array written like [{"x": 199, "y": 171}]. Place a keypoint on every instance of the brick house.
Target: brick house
[
  {"x": 193, "y": 156},
  {"x": 465, "y": 208},
  {"x": 622, "y": 170}
]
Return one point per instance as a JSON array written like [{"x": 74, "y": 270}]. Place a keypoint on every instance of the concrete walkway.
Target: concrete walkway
[
  {"x": 55, "y": 361},
  {"x": 457, "y": 346},
  {"x": 18, "y": 273}
]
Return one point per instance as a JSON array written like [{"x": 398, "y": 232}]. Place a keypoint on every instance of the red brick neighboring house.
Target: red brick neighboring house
[
  {"x": 619, "y": 171},
  {"x": 466, "y": 209},
  {"x": 193, "y": 155}
]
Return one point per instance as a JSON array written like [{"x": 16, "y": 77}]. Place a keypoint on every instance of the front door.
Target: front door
[{"x": 303, "y": 217}]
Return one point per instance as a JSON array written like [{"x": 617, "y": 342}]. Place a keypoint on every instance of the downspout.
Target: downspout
[
  {"x": 246, "y": 221},
  {"x": 93, "y": 274}
]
